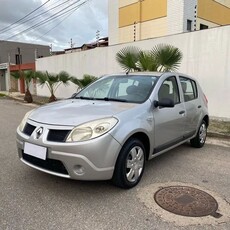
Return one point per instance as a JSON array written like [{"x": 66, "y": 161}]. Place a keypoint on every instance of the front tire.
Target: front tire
[
  {"x": 130, "y": 164},
  {"x": 199, "y": 140}
]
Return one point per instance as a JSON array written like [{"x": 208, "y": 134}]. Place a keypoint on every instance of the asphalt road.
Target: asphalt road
[{"x": 30, "y": 199}]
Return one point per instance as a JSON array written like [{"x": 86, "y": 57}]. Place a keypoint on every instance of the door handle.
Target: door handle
[{"x": 182, "y": 112}]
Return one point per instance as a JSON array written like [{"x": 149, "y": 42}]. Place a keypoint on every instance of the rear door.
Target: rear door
[
  {"x": 192, "y": 105},
  {"x": 169, "y": 122}
]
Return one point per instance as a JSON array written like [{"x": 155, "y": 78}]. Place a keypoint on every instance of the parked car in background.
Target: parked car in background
[{"x": 112, "y": 127}]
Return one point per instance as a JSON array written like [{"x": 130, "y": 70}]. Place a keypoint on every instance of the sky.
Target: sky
[{"x": 77, "y": 22}]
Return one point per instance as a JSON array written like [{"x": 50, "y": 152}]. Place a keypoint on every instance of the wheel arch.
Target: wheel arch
[
  {"x": 206, "y": 119},
  {"x": 120, "y": 174},
  {"x": 144, "y": 139}
]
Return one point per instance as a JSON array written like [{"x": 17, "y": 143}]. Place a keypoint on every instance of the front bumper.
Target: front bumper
[{"x": 89, "y": 160}]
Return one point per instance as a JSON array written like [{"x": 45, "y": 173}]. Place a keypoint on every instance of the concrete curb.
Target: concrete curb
[
  {"x": 20, "y": 99},
  {"x": 218, "y": 135},
  {"x": 26, "y": 103}
]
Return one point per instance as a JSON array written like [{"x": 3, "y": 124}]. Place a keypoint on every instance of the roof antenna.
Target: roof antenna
[{"x": 127, "y": 72}]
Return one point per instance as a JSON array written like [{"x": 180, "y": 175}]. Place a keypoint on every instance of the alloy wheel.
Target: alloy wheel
[
  {"x": 202, "y": 133},
  {"x": 134, "y": 164}
]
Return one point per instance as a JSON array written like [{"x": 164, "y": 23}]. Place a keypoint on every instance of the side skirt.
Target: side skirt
[{"x": 166, "y": 147}]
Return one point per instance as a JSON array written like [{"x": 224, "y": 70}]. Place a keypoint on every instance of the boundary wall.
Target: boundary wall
[{"x": 206, "y": 56}]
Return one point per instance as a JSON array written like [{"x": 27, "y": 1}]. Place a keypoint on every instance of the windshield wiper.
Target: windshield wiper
[
  {"x": 101, "y": 99},
  {"x": 114, "y": 99},
  {"x": 85, "y": 98}
]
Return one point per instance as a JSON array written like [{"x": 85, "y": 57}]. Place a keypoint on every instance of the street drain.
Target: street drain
[{"x": 187, "y": 201}]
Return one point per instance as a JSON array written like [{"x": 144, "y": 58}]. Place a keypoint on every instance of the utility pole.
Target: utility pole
[
  {"x": 71, "y": 44},
  {"x": 19, "y": 56},
  {"x": 35, "y": 54},
  {"x": 51, "y": 49},
  {"x": 9, "y": 58},
  {"x": 8, "y": 72},
  {"x": 22, "y": 82},
  {"x": 97, "y": 37}
]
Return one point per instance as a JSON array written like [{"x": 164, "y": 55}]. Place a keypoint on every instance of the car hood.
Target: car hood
[{"x": 73, "y": 112}]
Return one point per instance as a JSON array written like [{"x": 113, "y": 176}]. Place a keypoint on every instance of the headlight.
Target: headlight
[
  {"x": 23, "y": 122},
  {"x": 91, "y": 129}
]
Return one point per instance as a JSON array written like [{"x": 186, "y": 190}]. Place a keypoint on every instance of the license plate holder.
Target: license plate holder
[{"x": 35, "y": 150}]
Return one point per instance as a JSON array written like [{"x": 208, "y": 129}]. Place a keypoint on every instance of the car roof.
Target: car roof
[{"x": 155, "y": 74}]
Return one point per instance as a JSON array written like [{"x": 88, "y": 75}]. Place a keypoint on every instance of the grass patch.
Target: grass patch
[
  {"x": 2, "y": 95},
  {"x": 219, "y": 126}
]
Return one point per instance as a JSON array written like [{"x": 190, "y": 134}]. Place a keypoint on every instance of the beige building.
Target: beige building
[{"x": 133, "y": 20}]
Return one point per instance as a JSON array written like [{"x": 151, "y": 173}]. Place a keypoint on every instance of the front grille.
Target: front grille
[
  {"x": 49, "y": 164},
  {"x": 57, "y": 135},
  {"x": 28, "y": 129}
]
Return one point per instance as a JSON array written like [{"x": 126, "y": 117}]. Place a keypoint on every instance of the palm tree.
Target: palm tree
[
  {"x": 128, "y": 57},
  {"x": 53, "y": 81},
  {"x": 161, "y": 58},
  {"x": 86, "y": 80},
  {"x": 28, "y": 75}
]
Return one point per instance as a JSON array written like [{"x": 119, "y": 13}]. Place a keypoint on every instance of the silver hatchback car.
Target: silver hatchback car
[{"x": 112, "y": 127}]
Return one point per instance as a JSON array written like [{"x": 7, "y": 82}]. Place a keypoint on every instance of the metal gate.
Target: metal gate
[{"x": 2, "y": 81}]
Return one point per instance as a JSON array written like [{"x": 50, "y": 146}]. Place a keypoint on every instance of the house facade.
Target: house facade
[
  {"x": 16, "y": 56},
  {"x": 134, "y": 20}
]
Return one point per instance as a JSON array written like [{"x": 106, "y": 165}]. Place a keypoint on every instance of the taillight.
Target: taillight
[{"x": 205, "y": 99}]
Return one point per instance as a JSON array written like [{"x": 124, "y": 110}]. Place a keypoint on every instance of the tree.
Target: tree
[
  {"x": 86, "y": 80},
  {"x": 128, "y": 58},
  {"x": 53, "y": 81},
  {"x": 28, "y": 75},
  {"x": 161, "y": 58}
]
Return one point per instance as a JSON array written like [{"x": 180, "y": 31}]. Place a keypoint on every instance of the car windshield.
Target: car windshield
[{"x": 123, "y": 88}]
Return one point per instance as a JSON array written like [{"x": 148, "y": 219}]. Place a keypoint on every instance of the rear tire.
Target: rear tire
[
  {"x": 130, "y": 164},
  {"x": 199, "y": 140}
]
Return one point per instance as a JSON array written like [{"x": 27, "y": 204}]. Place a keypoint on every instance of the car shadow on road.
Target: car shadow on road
[{"x": 172, "y": 165}]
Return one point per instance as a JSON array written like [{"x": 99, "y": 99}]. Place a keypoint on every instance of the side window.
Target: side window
[
  {"x": 189, "y": 89},
  {"x": 169, "y": 89}
]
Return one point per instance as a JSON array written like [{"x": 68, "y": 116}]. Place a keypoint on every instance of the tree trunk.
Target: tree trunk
[
  {"x": 52, "y": 98},
  {"x": 28, "y": 97}
]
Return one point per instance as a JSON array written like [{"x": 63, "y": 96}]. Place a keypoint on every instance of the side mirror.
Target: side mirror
[{"x": 165, "y": 102}]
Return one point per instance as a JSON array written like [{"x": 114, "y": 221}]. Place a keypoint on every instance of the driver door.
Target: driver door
[{"x": 169, "y": 122}]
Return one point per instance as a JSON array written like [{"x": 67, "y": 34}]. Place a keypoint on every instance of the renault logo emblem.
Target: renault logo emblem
[{"x": 39, "y": 132}]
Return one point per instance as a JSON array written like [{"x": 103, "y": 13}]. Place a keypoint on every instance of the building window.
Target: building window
[
  {"x": 18, "y": 59},
  {"x": 189, "y": 25},
  {"x": 203, "y": 27}
]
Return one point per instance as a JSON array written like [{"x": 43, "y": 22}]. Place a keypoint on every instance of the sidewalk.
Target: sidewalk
[
  {"x": 39, "y": 100},
  {"x": 217, "y": 128}
]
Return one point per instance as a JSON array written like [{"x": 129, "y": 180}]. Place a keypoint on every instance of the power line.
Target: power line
[
  {"x": 34, "y": 17},
  {"x": 25, "y": 16},
  {"x": 56, "y": 15},
  {"x": 61, "y": 21}
]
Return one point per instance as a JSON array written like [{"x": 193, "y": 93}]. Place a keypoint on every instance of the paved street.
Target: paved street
[{"x": 30, "y": 199}]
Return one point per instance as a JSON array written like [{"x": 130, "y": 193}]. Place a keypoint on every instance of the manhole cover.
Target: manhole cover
[{"x": 186, "y": 201}]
